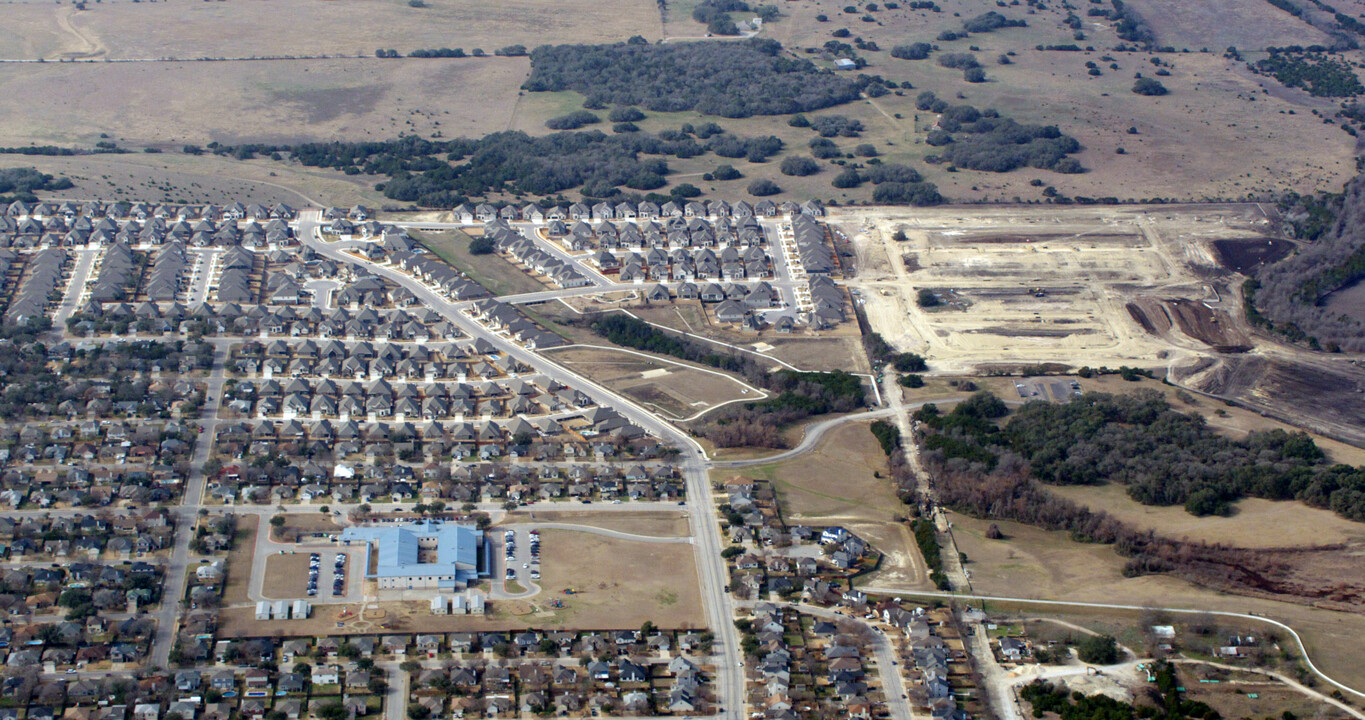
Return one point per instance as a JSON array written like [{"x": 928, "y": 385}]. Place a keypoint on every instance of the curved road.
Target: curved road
[{"x": 1303, "y": 649}]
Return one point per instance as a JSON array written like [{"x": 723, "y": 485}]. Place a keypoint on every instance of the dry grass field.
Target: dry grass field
[
  {"x": 1048, "y": 565},
  {"x": 617, "y": 583},
  {"x": 676, "y": 390},
  {"x": 835, "y": 484},
  {"x": 642, "y": 522},
  {"x": 247, "y": 28},
  {"x": 1047, "y": 285},
  {"x": 1256, "y": 524},
  {"x": 285, "y": 101},
  {"x": 286, "y": 576},
  {"x": 240, "y": 560}
]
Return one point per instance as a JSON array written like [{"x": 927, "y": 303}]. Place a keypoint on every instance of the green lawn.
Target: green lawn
[{"x": 496, "y": 274}]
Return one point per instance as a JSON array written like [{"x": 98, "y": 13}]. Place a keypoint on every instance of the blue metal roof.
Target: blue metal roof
[{"x": 396, "y": 549}]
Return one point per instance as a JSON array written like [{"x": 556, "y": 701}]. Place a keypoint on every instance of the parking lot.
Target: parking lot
[{"x": 520, "y": 554}]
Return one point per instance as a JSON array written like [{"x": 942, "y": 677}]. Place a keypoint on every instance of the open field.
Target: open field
[
  {"x": 1256, "y": 524},
  {"x": 1190, "y": 144},
  {"x": 617, "y": 583},
  {"x": 286, "y": 576},
  {"x": 240, "y": 560},
  {"x": 278, "y": 101},
  {"x": 177, "y": 178},
  {"x": 673, "y": 389},
  {"x": 1048, "y": 565},
  {"x": 643, "y": 522},
  {"x": 1052, "y": 285},
  {"x": 245, "y": 28},
  {"x": 834, "y": 484},
  {"x": 492, "y": 272}
]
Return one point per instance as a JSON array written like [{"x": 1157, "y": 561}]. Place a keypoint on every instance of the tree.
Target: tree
[
  {"x": 277, "y": 521},
  {"x": 763, "y": 188},
  {"x": 1148, "y": 86},
  {"x": 1099, "y": 649},
  {"x": 927, "y": 298},
  {"x": 482, "y": 245},
  {"x": 848, "y": 178},
  {"x": 799, "y": 165},
  {"x": 726, "y": 172},
  {"x": 912, "y": 381}
]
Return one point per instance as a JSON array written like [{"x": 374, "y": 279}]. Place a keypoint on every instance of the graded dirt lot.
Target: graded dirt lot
[
  {"x": 834, "y": 484},
  {"x": 1048, "y": 565},
  {"x": 1051, "y": 285},
  {"x": 675, "y": 390},
  {"x": 253, "y": 28},
  {"x": 642, "y": 522}
]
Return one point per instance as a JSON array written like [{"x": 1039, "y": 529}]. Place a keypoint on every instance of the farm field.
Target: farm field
[
  {"x": 834, "y": 484},
  {"x": 246, "y": 28},
  {"x": 676, "y": 390},
  {"x": 1048, "y": 565}
]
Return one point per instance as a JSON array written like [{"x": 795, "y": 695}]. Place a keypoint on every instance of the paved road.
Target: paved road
[
  {"x": 1303, "y": 650},
  {"x": 178, "y": 565},
  {"x": 85, "y": 261},
  {"x": 729, "y": 680},
  {"x": 893, "y": 683}
]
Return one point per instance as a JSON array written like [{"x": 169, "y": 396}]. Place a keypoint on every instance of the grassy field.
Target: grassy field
[
  {"x": 245, "y": 28},
  {"x": 498, "y": 275},
  {"x": 1048, "y": 565},
  {"x": 837, "y": 484},
  {"x": 278, "y": 101},
  {"x": 1256, "y": 524},
  {"x": 286, "y": 576},
  {"x": 617, "y": 583},
  {"x": 643, "y": 522},
  {"x": 240, "y": 560},
  {"x": 674, "y": 389}
]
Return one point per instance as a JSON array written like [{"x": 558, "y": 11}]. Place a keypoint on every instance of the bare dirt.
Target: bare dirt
[
  {"x": 1246, "y": 255},
  {"x": 678, "y": 390}
]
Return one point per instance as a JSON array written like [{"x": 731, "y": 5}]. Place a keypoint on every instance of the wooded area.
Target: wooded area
[
  {"x": 1293, "y": 296},
  {"x": 732, "y": 79}
]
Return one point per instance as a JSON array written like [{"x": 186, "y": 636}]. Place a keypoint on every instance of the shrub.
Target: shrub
[
  {"x": 849, "y": 178},
  {"x": 912, "y": 381},
  {"x": 726, "y": 172},
  {"x": 913, "y": 51},
  {"x": 865, "y": 150},
  {"x": 958, "y": 61},
  {"x": 763, "y": 188},
  {"x": 625, "y": 114},
  {"x": 799, "y": 165},
  {"x": 1148, "y": 86},
  {"x": 572, "y": 121},
  {"x": 974, "y": 75}
]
